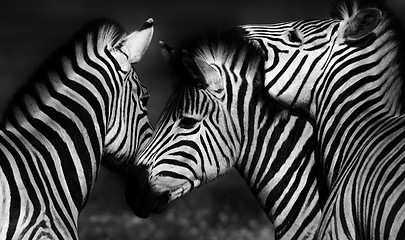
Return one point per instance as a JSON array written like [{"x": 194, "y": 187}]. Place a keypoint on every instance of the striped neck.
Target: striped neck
[
  {"x": 277, "y": 162},
  {"x": 63, "y": 127},
  {"x": 359, "y": 85},
  {"x": 62, "y": 111}
]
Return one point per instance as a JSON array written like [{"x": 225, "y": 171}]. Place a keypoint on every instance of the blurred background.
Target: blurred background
[{"x": 223, "y": 209}]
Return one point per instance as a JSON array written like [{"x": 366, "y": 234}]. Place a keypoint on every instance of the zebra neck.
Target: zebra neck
[
  {"x": 358, "y": 103},
  {"x": 60, "y": 131},
  {"x": 279, "y": 166}
]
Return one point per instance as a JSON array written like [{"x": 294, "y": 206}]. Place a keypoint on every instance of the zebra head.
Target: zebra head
[
  {"x": 303, "y": 56},
  {"x": 201, "y": 131},
  {"x": 127, "y": 126},
  {"x": 335, "y": 69}
]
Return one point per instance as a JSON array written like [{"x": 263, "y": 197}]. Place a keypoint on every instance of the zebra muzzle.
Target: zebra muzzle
[{"x": 140, "y": 196}]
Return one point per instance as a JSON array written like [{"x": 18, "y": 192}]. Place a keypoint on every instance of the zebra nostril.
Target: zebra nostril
[{"x": 140, "y": 196}]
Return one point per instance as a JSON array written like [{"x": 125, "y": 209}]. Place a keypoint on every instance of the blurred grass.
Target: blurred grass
[{"x": 224, "y": 209}]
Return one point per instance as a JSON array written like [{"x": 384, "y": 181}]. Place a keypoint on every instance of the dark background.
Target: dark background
[{"x": 224, "y": 209}]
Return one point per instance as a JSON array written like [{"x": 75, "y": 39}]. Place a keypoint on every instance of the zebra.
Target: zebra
[
  {"x": 347, "y": 73},
  {"x": 220, "y": 118},
  {"x": 85, "y": 106}
]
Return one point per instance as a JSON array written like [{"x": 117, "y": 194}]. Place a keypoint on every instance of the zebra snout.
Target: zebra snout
[{"x": 140, "y": 196}]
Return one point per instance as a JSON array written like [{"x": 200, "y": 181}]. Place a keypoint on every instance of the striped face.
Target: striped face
[
  {"x": 193, "y": 143},
  {"x": 297, "y": 53},
  {"x": 127, "y": 125},
  {"x": 198, "y": 137},
  {"x": 306, "y": 58}
]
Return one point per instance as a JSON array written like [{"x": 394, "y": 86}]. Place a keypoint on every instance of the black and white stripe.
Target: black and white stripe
[
  {"x": 348, "y": 74},
  {"x": 83, "y": 108},
  {"x": 220, "y": 118}
]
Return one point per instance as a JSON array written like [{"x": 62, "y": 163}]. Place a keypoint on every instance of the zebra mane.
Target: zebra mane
[
  {"x": 227, "y": 47},
  {"x": 101, "y": 32},
  {"x": 344, "y": 9}
]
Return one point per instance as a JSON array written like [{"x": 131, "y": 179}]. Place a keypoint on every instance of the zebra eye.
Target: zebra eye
[
  {"x": 293, "y": 37},
  {"x": 188, "y": 123}
]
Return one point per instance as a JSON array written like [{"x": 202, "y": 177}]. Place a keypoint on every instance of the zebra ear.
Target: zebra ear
[
  {"x": 136, "y": 44},
  {"x": 167, "y": 52},
  {"x": 362, "y": 24},
  {"x": 202, "y": 72}
]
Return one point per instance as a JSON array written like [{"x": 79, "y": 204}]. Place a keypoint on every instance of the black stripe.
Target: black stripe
[
  {"x": 282, "y": 71},
  {"x": 15, "y": 199},
  {"x": 28, "y": 183},
  {"x": 177, "y": 163}
]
